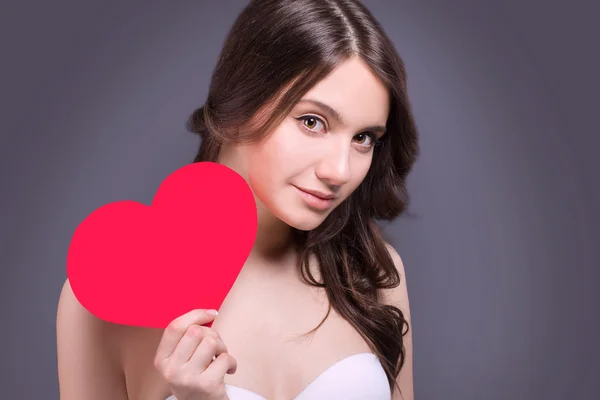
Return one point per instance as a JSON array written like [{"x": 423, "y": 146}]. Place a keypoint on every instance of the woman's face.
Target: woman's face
[{"x": 325, "y": 148}]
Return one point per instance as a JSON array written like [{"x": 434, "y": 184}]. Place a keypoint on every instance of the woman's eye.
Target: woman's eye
[
  {"x": 365, "y": 139},
  {"x": 310, "y": 123}
]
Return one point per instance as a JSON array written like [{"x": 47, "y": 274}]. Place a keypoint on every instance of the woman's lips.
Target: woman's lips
[{"x": 313, "y": 200}]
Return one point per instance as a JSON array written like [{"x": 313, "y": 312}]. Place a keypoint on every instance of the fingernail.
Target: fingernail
[{"x": 212, "y": 312}]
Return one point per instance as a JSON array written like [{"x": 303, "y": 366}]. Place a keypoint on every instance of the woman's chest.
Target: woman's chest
[
  {"x": 269, "y": 329},
  {"x": 266, "y": 329}
]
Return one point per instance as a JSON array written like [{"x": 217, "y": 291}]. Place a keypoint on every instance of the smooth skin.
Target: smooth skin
[{"x": 257, "y": 337}]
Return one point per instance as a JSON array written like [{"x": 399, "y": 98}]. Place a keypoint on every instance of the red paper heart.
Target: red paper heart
[{"x": 133, "y": 264}]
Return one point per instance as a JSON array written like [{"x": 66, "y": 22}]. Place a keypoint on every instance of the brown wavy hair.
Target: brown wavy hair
[{"x": 275, "y": 52}]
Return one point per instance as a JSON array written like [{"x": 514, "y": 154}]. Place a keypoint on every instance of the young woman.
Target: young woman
[{"x": 308, "y": 103}]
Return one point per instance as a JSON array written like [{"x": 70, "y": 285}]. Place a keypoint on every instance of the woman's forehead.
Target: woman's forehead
[{"x": 353, "y": 93}]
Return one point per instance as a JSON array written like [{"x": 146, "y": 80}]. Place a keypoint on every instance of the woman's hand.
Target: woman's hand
[{"x": 193, "y": 359}]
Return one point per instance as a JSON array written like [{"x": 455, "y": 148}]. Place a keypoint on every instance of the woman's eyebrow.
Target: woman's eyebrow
[{"x": 337, "y": 116}]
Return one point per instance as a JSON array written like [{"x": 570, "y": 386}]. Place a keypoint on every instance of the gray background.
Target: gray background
[{"x": 501, "y": 256}]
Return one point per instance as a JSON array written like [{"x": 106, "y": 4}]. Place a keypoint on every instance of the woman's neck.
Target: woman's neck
[{"x": 273, "y": 237}]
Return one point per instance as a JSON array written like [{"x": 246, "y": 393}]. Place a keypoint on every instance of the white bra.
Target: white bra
[{"x": 357, "y": 377}]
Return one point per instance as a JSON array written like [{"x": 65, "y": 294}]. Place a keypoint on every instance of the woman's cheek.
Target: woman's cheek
[
  {"x": 262, "y": 174},
  {"x": 275, "y": 161}
]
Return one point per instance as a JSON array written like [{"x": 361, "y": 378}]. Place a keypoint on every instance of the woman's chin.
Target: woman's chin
[{"x": 302, "y": 221}]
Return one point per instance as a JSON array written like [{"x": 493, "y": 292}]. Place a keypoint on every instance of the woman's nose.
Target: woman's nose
[{"x": 334, "y": 166}]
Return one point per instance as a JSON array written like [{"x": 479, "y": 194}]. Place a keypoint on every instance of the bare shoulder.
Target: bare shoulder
[
  {"x": 70, "y": 310},
  {"x": 88, "y": 358},
  {"x": 71, "y": 314},
  {"x": 72, "y": 318},
  {"x": 99, "y": 360},
  {"x": 396, "y": 258},
  {"x": 398, "y": 297}
]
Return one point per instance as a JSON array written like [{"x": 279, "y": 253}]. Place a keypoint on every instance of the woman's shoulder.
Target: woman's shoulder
[
  {"x": 395, "y": 258},
  {"x": 99, "y": 350},
  {"x": 75, "y": 323},
  {"x": 73, "y": 316},
  {"x": 397, "y": 296},
  {"x": 71, "y": 312},
  {"x": 86, "y": 352}
]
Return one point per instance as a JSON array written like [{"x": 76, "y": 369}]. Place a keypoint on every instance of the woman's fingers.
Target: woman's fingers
[
  {"x": 176, "y": 330},
  {"x": 193, "y": 359},
  {"x": 224, "y": 364},
  {"x": 187, "y": 345},
  {"x": 209, "y": 348}
]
